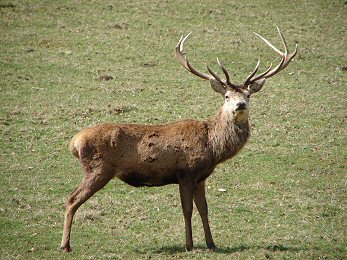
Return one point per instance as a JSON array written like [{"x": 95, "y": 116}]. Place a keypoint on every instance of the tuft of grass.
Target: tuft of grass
[{"x": 66, "y": 65}]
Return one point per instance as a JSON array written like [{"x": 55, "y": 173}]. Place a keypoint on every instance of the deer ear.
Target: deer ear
[
  {"x": 216, "y": 86},
  {"x": 256, "y": 86}
]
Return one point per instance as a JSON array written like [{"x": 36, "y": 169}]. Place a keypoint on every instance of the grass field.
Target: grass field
[{"x": 285, "y": 192}]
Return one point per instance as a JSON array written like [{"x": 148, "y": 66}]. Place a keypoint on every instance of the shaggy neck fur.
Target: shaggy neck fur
[{"x": 226, "y": 138}]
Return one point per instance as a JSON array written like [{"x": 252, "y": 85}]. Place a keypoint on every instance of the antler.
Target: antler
[
  {"x": 181, "y": 55},
  {"x": 286, "y": 58}
]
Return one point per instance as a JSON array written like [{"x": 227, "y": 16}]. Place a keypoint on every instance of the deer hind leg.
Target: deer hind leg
[
  {"x": 186, "y": 194},
  {"x": 89, "y": 185},
  {"x": 201, "y": 204}
]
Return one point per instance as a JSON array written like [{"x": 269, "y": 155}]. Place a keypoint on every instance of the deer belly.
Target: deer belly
[{"x": 139, "y": 179}]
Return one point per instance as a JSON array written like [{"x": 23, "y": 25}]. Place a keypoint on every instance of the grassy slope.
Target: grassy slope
[{"x": 285, "y": 192}]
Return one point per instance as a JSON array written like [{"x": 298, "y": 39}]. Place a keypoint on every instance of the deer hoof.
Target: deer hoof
[
  {"x": 66, "y": 249},
  {"x": 189, "y": 248},
  {"x": 212, "y": 247}
]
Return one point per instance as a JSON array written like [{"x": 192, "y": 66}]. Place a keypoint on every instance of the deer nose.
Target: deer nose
[{"x": 240, "y": 105}]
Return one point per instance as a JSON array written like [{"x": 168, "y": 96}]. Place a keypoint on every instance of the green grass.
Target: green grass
[{"x": 286, "y": 191}]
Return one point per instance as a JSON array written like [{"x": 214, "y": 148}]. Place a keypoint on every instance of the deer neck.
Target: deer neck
[{"x": 226, "y": 137}]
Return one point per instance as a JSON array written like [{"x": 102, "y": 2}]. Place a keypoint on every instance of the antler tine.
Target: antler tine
[
  {"x": 283, "y": 41},
  {"x": 215, "y": 76},
  {"x": 179, "y": 42},
  {"x": 270, "y": 44},
  {"x": 248, "y": 79},
  {"x": 180, "y": 53},
  {"x": 261, "y": 74},
  {"x": 183, "y": 40},
  {"x": 226, "y": 75},
  {"x": 224, "y": 71},
  {"x": 276, "y": 69}
]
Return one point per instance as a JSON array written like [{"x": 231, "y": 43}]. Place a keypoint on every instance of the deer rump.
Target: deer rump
[{"x": 145, "y": 155}]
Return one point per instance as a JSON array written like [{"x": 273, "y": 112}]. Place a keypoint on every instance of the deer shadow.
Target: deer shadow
[{"x": 175, "y": 249}]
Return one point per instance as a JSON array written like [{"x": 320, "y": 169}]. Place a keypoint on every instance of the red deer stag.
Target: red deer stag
[{"x": 184, "y": 152}]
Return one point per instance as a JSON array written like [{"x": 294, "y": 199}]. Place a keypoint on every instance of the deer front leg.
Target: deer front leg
[
  {"x": 201, "y": 204},
  {"x": 186, "y": 193}
]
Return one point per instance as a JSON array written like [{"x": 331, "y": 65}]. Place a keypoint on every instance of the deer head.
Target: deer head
[{"x": 236, "y": 96}]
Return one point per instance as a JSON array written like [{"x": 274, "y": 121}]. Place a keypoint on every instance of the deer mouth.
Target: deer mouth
[
  {"x": 241, "y": 116},
  {"x": 241, "y": 109}
]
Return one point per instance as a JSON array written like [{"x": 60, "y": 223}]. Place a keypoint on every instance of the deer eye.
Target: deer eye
[{"x": 248, "y": 96}]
